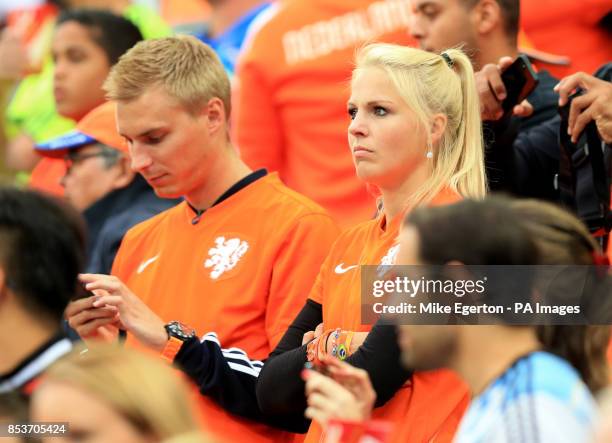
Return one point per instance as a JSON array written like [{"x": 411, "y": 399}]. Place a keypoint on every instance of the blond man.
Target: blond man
[{"x": 237, "y": 258}]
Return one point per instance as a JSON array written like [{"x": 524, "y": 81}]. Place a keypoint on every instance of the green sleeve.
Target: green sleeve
[
  {"x": 32, "y": 108},
  {"x": 151, "y": 25}
]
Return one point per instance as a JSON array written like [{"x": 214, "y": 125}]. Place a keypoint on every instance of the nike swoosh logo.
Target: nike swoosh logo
[
  {"x": 146, "y": 263},
  {"x": 340, "y": 270}
]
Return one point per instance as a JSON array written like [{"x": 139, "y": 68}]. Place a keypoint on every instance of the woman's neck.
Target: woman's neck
[{"x": 395, "y": 198}]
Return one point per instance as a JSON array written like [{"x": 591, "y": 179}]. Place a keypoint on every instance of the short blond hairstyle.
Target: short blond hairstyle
[
  {"x": 151, "y": 395},
  {"x": 431, "y": 84},
  {"x": 186, "y": 68}
]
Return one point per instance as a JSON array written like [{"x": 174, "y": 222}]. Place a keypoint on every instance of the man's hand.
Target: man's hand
[
  {"x": 594, "y": 104},
  {"x": 492, "y": 92},
  {"x": 93, "y": 323},
  {"x": 134, "y": 315}
]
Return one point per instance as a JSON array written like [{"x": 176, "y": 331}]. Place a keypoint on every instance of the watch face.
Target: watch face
[{"x": 180, "y": 330}]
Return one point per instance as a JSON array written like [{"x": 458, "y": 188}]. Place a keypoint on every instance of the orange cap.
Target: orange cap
[{"x": 101, "y": 124}]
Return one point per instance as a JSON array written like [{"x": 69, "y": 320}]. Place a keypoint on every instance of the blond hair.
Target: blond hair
[
  {"x": 186, "y": 68},
  {"x": 148, "y": 393},
  {"x": 429, "y": 84}
]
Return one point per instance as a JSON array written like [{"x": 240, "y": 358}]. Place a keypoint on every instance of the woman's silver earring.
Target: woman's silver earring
[{"x": 429, "y": 155}]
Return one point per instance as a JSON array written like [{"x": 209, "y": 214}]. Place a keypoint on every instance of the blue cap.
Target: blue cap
[{"x": 57, "y": 147}]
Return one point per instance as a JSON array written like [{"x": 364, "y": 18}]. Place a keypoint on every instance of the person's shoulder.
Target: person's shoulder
[
  {"x": 555, "y": 375},
  {"x": 559, "y": 392},
  {"x": 153, "y": 224},
  {"x": 283, "y": 198},
  {"x": 552, "y": 380},
  {"x": 357, "y": 234},
  {"x": 446, "y": 196},
  {"x": 288, "y": 16},
  {"x": 541, "y": 393},
  {"x": 604, "y": 72},
  {"x": 546, "y": 82}
]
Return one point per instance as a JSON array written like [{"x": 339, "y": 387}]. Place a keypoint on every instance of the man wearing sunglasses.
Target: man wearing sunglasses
[{"x": 100, "y": 184}]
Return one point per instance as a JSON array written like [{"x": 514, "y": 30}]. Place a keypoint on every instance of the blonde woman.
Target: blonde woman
[
  {"x": 110, "y": 393},
  {"x": 415, "y": 135}
]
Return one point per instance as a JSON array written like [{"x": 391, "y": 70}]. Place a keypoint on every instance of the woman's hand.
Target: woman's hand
[
  {"x": 346, "y": 394},
  {"x": 311, "y": 335}
]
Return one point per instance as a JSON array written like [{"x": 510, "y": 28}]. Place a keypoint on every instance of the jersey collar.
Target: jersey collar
[
  {"x": 238, "y": 186},
  {"x": 35, "y": 363}
]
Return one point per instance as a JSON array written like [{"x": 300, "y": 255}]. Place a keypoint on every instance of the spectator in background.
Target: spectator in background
[
  {"x": 580, "y": 30},
  {"x": 237, "y": 257},
  {"x": 487, "y": 30},
  {"x": 86, "y": 44},
  {"x": 291, "y": 96},
  {"x": 527, "y": 162},
  {"x": 100, "y": 183},
  {"x": 228, "y": 27},
  {"x": 546, "y": 387},
  {"x": 113, "y": 394},
  {"x": 562, "y": 239},
  {"x": 41, "y": 253},
  {"x": 31, "y": 115},
  {"x": 519, "y": 388}
]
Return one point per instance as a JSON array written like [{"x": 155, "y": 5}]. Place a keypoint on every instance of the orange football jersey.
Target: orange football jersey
[
  {"x": 432, "y": 403},
  {"x": 292, "y": 85},
  {"x": 243, "y": 269}
]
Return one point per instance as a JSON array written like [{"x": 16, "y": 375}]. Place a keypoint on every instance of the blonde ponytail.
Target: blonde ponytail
[{"x": 429, "y": 84}]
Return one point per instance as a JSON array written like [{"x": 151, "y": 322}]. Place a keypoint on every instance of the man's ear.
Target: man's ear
[
  {"x": 3, "y": 286},
  {"x": 216, "y": 115},
  {"x": 125, "y": 174},
  {"x": 438, "y": 126},
  {"x": 486, "y": 16}
]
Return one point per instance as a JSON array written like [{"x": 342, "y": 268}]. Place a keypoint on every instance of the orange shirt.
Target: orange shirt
[
  {"x": 569, "y": 27},
  {"x": 432, "y": 403},
  {"x": 292, "y": 85},
  {"x": 243, "y": 271},
  {"x": 47, "y": 174}
]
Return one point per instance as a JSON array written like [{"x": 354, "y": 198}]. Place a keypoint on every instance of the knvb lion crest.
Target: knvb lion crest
[
  {"x": 388, "y": 260},
  {"x": 225, "y": 255}
]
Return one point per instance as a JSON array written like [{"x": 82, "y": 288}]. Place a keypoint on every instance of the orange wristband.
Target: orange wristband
[{"x": 173, "y": 346}]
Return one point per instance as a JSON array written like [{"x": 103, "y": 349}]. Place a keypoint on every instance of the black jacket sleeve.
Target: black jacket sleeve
[
  {"x": 229, "y": 377},
  {"x": 523, "y": 159},
  {"x": 280, "y": 389},
  {"x": 523, "y": 163},
  {"x": 522, "y": 154},
  {"x": 378, "y": 355}
]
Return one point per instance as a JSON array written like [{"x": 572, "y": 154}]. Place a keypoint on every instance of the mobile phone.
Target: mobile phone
[
  {"x": 81, "y": 292},
  {"x": 520, "y": 79}
]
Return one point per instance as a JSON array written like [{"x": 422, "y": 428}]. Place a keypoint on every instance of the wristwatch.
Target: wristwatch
[{"x": 178, "y": 333}]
